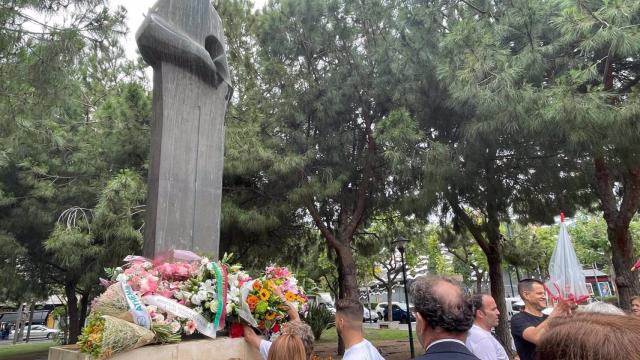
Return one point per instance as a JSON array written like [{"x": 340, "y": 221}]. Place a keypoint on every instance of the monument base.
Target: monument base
[{"x": 221, "y": 348}]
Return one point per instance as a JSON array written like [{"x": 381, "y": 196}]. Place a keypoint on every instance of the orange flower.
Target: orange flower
[
  {"x": 252, "y": 301},
  {"x": 270, "y": 316},
  {"x": 290, "y": 296},
  {"x": 257, "y": 285},
  {"x": 264, "y": 294}
]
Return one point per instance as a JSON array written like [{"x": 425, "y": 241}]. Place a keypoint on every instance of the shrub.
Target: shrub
[{"x": 319, "y": 319}]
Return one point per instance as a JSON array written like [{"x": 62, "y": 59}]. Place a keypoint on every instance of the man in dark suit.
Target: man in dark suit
[{"x": 443, "y": 317}]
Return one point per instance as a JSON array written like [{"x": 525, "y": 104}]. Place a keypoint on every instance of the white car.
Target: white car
[
  {"x": 38, "y": 331},
  {"x": 369, "y": 314}
]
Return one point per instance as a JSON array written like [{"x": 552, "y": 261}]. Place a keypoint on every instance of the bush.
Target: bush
[{"x": 319, "y": 319}]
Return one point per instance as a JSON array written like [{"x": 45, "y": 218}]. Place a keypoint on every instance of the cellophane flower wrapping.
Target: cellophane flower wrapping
[
  {"x": 105, "y": 336},
  {"x": 288, "y": 285},
  {"x": 566, "y": 280},
  {"x": 261, "y": 307}
]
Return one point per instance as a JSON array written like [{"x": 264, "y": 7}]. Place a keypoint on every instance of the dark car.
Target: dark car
[{"x": 400, "y": 313}]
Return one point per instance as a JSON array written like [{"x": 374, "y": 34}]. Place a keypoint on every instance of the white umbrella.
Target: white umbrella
[{"x": 566, "y": 281}]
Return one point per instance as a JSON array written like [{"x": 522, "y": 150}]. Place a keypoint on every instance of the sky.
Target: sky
[{"x": 136, "y": 11}]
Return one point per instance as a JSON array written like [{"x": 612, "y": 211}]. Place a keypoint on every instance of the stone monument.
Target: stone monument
[{"x": 184, "y": 43}]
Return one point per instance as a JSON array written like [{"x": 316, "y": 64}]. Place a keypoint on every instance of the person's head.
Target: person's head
[
  {"x": 485, "y": 311},
  {"x": 348, "y": 316},
  {"x": 635, "y": 305},
  {"x": 303, "y": 331},
  {"x": 287, "y": 347},
  {"x": 602, "y": 308},
  {"x": 532, "y": 293},
  {"x": 591, "y": 336},
  {"x": 442, "y": 310}
]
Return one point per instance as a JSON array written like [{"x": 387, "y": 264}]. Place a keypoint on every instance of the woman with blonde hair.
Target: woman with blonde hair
[{"x": 287, "y": 347}]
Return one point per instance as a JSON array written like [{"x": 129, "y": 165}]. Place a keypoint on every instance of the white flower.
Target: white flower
[
  {"x": 195, "y": 299},
  {"x": 213, "y": 305},
  {"x": 147, "y": 265},
  {"x": 159, "y": 318},
  {"x": 175, "y": 326},
  {"x": 119, "y": 269},
  {"x": 234, "y": 293},
  {"x": 229, "y": 307},
  {"x": 121, "y": 277},
  {"x": 204, "y": 261}
]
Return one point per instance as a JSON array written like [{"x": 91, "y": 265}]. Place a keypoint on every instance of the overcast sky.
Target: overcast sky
[{"x": 136, "y": 11}]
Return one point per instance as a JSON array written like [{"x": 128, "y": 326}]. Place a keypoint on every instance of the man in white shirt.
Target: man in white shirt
[
  {"x": 349, "y": 327},
  {"x": 480, "y": 340}
]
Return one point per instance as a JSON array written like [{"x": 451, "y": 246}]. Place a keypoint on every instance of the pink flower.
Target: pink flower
[
  {"x": 148, "y": 284},
  {"x": 166, "y": 293},
  {"x": 190, "y": 327},
  {"x": 182, "y": 270},
  {"x": 166, "y": 270}
]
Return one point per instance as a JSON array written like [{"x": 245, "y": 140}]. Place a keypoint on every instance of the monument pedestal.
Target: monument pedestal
[{"x": 219, "y": 349}]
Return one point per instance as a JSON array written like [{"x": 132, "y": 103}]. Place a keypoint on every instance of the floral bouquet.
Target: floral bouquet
[
  {"x": 181, "y": 290},
  {"x": 284, "y": 280},
  {"x": 105, "y": 336},
  {"x": 264, "y": 300},
  {"x": 265, "y": 306}
]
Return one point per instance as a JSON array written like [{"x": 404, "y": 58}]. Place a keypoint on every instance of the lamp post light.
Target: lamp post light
[{"x": 400, "y": 244}]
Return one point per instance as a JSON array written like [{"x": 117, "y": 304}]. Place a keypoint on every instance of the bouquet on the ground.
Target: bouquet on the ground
[
  {"x": 159, "y": 300},
  {"x": 181, "y": 290},
  {"x": 105, "y": 336}
]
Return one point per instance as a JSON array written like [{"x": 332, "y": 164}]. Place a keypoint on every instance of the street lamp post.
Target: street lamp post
[{"x": 400, "y": 243}]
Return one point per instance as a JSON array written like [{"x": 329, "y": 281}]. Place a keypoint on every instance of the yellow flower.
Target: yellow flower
[
  {"x": 264, "y": 294},
  {"x": 290, "y": 296},
  {"x": 270, "y": 316}
]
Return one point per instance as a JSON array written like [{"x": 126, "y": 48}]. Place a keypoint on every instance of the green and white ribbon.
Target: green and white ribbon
[{"x": 136, "y": 308}]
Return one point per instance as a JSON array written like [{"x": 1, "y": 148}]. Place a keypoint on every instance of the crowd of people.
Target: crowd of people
[{"x": 452, "y": 326}]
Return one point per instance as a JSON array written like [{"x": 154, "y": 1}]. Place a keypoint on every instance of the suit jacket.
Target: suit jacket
[{"x": 447, "y": 350}]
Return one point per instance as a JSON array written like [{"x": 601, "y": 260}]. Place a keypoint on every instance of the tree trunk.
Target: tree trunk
[
  {"x": 623, "y": 258},
  {"x": 497, "y": 292},
  {"x": 31, "y": 309},
  {"x": 84, "y": 307},
  {"x": 17, "y": 335},
  {"x": 72, "y": 312},
  {"x": 347, "y": 273},
  {"x": 479, "y": 278},
  {"x": 618, "y": 218},
  {"x": 389, "y": 302}
]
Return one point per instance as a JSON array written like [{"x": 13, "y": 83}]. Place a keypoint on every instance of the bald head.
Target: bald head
[{"x": 441, "y": 302}]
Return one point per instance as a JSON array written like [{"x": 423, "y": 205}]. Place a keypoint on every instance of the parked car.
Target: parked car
[
  {"x": 329, "y": 307},
  {"x": 514, "y": 306},
  {"x": 366, "y": 314},
  {"x": 38, "y": 331},
  {"x": 399, "y": 313},
  {"x": 381, "y": 307}
]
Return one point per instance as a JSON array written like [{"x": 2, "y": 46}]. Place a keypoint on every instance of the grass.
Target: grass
[
  {"x": 330, "y": 335},
  {"x": 11, "y": 351}
]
